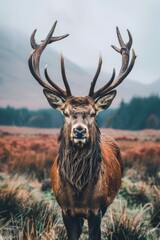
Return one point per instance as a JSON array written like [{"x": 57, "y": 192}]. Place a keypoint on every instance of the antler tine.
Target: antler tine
[
  {"x": 125, "y": 52},
  {"x": 35, "y": 74},
  {"x": 125, "y": 67},
  {"x": 54, "y": 39},
  {"x": 52, "y": 83},
  {"x": 44, "y": 42},
  {"x": 102, "y": 89},
  {"x": 34, "y": 45},
  {"x": 120, "y": 79},
  {"x": 34, "y": 60},
  {"x": 93, "y": 83},
  {"x": 68, "y": 90},
  {"x": 120, "y": 39},
  {"x": 35, "y": 56},
  {"x": 130, "y": 39}
]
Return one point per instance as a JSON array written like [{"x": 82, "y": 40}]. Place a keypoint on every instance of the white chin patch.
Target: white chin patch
[{"x": 79, "y": 140}]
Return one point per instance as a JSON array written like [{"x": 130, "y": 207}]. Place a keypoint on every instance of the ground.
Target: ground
[{"x": 28, "y": 209}]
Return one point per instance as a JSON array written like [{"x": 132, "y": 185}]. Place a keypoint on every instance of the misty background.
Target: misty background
[{"x": 92, "y": 30}]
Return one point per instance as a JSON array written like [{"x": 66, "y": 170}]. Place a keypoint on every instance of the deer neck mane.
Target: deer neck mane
[{"x": 79, "y": 166}]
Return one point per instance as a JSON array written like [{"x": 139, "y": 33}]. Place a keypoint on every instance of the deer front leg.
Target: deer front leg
[
  {"x": 94, "y": 225},
  {"x": 73, "y": 226}
]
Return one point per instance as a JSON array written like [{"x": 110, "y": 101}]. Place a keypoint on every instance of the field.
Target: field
[{"x": 28, "y": 209}]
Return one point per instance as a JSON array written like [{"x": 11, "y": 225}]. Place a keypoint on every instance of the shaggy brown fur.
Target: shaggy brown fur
[{"x": 79, "y": 166}]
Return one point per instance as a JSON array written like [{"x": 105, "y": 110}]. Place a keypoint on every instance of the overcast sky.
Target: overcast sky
[{"x": 91, "y": 25}]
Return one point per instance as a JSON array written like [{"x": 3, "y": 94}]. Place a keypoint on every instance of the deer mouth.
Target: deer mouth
[
  {"x": 79, "y": 142},
  {"x": 82, "y": 140}
]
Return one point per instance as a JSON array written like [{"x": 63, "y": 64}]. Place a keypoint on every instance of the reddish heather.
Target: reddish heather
[
  {"x": 37, "y": 148},
  {"x": 23, "y": 151}
]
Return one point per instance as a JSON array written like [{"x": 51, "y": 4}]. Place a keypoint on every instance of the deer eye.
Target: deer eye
[
  {"x": 93, "y": 114},
  {"x": 66, "y": 114}
]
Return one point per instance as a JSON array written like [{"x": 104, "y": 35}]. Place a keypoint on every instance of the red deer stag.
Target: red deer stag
[{"x": 86, "y": 175}]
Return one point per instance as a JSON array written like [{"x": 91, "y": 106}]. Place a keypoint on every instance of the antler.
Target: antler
[
  {"x": 124, "y": 71},
  {"x": 34, "y": 60}
]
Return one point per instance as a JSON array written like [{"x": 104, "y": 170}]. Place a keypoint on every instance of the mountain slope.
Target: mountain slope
[{"x": 19, "y": 89}]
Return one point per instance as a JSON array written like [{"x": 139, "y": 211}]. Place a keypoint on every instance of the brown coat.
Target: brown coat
[{"x": 95, "y": 197}]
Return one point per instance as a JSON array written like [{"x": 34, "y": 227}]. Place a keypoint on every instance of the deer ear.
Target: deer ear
[
  {"x": 54, "y": 100},
  {"x": 105, "y": 101}
]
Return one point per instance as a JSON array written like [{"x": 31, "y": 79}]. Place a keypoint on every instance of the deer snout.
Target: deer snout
[{"x": 79, "y": 132}]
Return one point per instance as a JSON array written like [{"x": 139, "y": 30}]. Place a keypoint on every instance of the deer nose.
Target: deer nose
[{"x": 79, "y": 132}]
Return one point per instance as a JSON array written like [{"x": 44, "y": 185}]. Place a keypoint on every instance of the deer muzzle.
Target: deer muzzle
[{"x": 79, "y": 134}]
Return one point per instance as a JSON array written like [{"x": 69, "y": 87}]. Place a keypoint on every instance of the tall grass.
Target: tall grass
[{"x": 25, "y": 212}]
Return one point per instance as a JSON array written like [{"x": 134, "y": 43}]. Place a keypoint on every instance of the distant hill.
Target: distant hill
[{"x": 19, "y": 89}]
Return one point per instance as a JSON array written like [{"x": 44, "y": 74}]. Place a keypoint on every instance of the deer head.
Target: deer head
[{"x": 79, "y": 112}]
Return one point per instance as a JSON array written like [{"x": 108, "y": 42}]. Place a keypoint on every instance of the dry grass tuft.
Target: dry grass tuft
[
  {"x": 25, "y": 211},
  {"x": 127, "y": 225}
]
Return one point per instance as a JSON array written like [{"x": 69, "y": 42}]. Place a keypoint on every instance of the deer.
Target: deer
[{"x": 86, "y": 174}]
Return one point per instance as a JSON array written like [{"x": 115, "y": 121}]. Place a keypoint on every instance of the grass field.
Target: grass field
[{"x": 28, "y": 209}]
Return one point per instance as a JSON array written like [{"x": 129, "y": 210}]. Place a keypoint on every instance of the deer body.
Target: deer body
[
  {"x": 99, "y": 193},
  {"x": 86, "y": 175}
]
